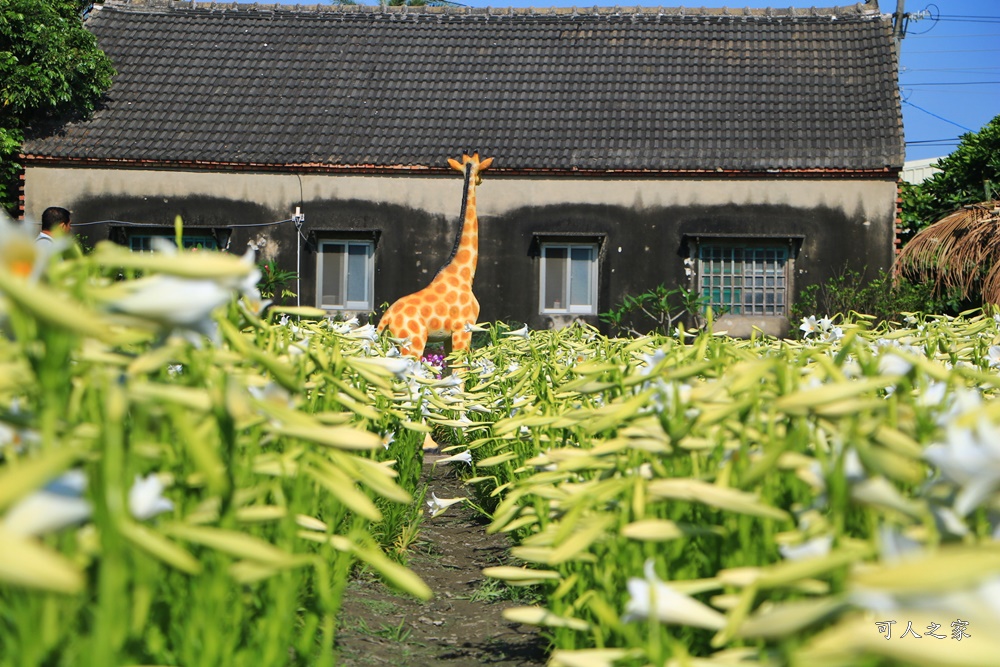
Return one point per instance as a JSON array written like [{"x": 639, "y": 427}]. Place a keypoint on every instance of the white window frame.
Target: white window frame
[
  {"x": 369, "y": 278},
  {"x": 569, "y": 309},
  {"x": 780, "y": 287}
]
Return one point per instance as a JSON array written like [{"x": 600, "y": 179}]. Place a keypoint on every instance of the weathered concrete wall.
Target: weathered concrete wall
[
  {"x": 642, "y": 224},
  {"x": 441, "y": 194}
]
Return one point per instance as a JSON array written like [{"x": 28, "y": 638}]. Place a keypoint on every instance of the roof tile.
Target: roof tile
[{"x": 598, "y": 89}]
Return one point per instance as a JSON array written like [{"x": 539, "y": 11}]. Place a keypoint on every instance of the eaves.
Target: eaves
[{"x": 554, "y": 172}]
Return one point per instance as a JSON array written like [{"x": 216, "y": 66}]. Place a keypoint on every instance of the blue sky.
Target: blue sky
[{"x": 950, "y": 74}]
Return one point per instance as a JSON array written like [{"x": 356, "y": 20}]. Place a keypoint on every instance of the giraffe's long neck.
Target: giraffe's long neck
[{"x": 465, "y": 253}]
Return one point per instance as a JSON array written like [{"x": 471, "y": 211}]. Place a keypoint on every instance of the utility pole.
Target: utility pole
[{"x": 899, "y": 21}]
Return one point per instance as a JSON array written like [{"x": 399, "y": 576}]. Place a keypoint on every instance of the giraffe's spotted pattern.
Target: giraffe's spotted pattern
[{"x": 441, "y": 310}]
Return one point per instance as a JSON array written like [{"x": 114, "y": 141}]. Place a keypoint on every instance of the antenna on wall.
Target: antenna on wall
[{"x": 298, "y": 218}]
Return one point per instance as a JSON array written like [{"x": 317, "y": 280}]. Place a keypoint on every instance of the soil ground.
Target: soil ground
[{"x": 461, "y": 626}]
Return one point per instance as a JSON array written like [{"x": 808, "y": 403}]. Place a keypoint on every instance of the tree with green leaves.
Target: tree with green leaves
[
  {"x": 50, "y": 68},
  {"x": 971, "y": 174}
]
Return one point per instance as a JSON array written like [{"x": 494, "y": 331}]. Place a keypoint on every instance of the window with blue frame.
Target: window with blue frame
[{"x": 144, "y": 242}]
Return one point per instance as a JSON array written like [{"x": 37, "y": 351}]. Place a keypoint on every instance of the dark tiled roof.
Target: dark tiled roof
[{"x": 603, "y": 89}]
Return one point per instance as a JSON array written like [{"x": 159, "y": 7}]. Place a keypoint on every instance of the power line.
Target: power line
[
  {"x": 947, "y": 69},
  {"x": 955, "y": 83},
  {"x": 931, "y": 113},
  {"x": 922, "y": 36},
  {"x": 913, "y": 53},
  {"x": 934, "y": 142},
  {"x": 969, "y": 19},
  {"x": 952, "y": 91}
]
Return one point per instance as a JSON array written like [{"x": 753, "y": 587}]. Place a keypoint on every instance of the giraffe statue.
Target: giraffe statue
[{"x": 441, "y": 310}]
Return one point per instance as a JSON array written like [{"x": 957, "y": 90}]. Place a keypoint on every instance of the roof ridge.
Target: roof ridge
[{"x": 867, "y": 9}]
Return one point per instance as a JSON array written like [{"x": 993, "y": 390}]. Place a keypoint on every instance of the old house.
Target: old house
[{"x": 743, "y": 153}]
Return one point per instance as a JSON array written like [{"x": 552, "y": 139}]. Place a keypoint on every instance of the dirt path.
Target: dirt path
[{"x": 461, "y": 625}]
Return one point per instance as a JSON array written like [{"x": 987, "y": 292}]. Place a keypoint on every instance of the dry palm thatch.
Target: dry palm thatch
[{"x": 960, "y": 253}]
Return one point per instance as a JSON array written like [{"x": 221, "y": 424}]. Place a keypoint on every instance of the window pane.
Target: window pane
[
  {"x": 332, "y": 289},
  {"x": 141, "y": 243},
  {"x": 579, "y": 282},
  {"x": 555, "y": 259},
  {"x": 357, "y": 272},
  {"x": 755, "y": 274}
]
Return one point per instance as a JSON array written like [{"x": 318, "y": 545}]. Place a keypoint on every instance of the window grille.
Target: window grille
[{"x": 744, "y": 280}]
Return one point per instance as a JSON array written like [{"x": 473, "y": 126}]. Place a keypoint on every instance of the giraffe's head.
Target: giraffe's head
[{"x": 476, "y": 164}]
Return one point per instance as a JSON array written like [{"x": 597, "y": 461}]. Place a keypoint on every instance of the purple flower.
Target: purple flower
[{"x": 437, "y": 360}]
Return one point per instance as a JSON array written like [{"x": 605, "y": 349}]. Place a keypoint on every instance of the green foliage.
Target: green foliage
[
  {"x": 655, "y": 311},
  {"x": 50, "y": 67},
  {"x": 882, "y": 297},
  {"x": 746, "y": 480},
  {"x": 963, "y": 179},
  {"x": 494, "y": 590},
  {"x": 274, "y": 281}
]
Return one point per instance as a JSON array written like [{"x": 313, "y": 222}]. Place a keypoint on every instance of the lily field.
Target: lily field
[{"x": 190, "y": 478}]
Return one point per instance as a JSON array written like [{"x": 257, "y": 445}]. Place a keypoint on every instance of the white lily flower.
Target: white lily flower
[
  {"x": 174, "y": 302},
  {"x": 978, "y": 599},
  {"x": 809, "y": 325},
  {"x": 58, "y": 505},
  {"x": 651, "y": 361},
  {"x": 814, "y": 548},
  {"x": 969, "y": 459},
  {"x": 934, "y": 395},
  {"x": 993, "y": 356},
  {"x": 388, "y": 439},
  {"x": 893, "y": 364},
  {"x": 854, "y": 470},
  {"x": 272, "y": 392},
  {"x": 145, "y": 498},
  {"x": 463, "y": 457},
  {"x": 450, "y": 381},
  {"x": 19, "y": 254},
  {"x": 439, "y": 505},
  {"x": 947, "y": 522},
  {"x": 398, "y": 366},
  {"x": 367, "y": 332},
  {"x": 254, "y": 303},
  {"x": 651, "y": 597},
  {"x": 832, "y": 335},
  {"x": 520, "y": 333},
  {"x": 959, "y": 402},
  {"x": 474, "y": 328},
  {"x": 17, "y": 438},
  {"x": 896, "y": 547},
  {"x": 342, "y": 327}
]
